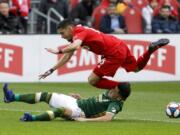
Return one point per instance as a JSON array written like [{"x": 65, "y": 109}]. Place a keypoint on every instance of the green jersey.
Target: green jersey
[{"x": 98, "y": 106}]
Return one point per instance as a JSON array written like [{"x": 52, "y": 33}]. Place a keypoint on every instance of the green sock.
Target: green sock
[
  {"x": 49, "y": 115},
  {"x": 27, "y": 98},
  {"x": 32, "y": 98},
  {"x": 45, "y": 96}
]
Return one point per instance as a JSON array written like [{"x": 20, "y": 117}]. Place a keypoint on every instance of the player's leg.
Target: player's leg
[
  {"x": 10, "y": 96},
  {"x": 133, "y": 65},
  {"x": 105, "y": 68},
  {"x": 64, "y": 101},
  {"x": 93, "y": 78},
  {"x": 101, "y": 82},
  {"x": 33, "y": 98},
  {"x": 143, "y": 60},
  {"x": 48, "y": 115}
]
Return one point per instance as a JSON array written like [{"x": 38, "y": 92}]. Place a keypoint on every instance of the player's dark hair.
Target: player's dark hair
[
  {"x": 124, "y": 89},
  {"x": 65, "y": 23}
]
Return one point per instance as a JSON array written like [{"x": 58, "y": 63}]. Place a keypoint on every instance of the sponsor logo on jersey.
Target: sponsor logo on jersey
[{"x": 113, "y": 110}]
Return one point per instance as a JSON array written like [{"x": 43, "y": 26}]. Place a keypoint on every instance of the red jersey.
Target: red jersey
[{"x": 98, "y": 42}]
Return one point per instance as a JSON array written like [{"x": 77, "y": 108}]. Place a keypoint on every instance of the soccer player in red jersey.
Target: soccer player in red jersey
[{"x": 114, "y": 51}]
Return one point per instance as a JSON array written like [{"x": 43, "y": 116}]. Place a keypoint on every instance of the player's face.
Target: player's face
[
  {"x": 66, "y": 33},
  {"x": 114, "y": 93}
]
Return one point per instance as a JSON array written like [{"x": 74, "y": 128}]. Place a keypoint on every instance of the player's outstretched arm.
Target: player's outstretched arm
[
  {"x": 69, "y": 48},
  {"x": 72, "y": 47},
  {"x": 75, "y": 95},
  {"x": 106, "y": 117},
  {"x": 53, "y": 51},
  {"x": 65, "y": 58}
]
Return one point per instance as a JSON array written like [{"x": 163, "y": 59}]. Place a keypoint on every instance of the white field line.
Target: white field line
[
  {"x": 131, "y": 119},
  {"x": 152, "y": 120},
  {"x": 18, "y": 110}
]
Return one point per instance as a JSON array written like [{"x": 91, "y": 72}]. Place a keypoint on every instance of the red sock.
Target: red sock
[
  {"x": 106, "y": 84},
  {"x": 143, "y": 60}
]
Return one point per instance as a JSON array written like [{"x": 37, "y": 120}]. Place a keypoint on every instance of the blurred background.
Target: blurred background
[{"x": 109, "y": 16}]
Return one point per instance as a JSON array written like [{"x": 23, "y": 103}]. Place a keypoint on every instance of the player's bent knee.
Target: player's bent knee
[
  {"x": 92, "y": 81},
  {"x": 67, "y": 113},
  {"x": 137, "y": 70}
]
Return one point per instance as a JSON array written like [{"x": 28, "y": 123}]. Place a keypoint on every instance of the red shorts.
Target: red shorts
[{"x": 109, "y": 66}]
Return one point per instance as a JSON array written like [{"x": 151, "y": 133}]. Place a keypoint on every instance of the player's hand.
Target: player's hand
[
  {"x": 81, "y": 119},
  {"x": 75, "y": 95},
  {"x": 53, "y": 51},
  {"x": 47, "y": 73}
]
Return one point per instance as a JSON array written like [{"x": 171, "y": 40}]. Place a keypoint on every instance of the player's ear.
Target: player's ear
[{"x": 70, "y": 27}]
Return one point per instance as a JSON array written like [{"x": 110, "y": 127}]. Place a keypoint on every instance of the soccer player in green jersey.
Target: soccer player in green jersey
[{"x": 100, "y": 108}]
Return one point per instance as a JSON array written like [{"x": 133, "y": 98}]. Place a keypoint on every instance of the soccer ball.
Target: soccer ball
[{"x": 173, "y": 110}]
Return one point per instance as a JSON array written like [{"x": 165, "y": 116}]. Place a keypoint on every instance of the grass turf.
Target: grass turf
[{"x": 143, "y": 112}]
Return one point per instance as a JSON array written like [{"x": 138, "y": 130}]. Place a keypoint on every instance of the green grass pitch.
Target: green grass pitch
[{"x": 143, "y": 112}]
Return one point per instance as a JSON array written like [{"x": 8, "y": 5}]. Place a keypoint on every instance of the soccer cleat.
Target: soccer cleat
[
  {"x": 157, "y": 44},
  {"x": 8, "y": 94},
  {"x": 26, "y": 117}
]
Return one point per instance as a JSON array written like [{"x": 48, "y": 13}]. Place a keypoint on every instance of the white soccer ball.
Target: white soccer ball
[{"x": 173, "y": 110}]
